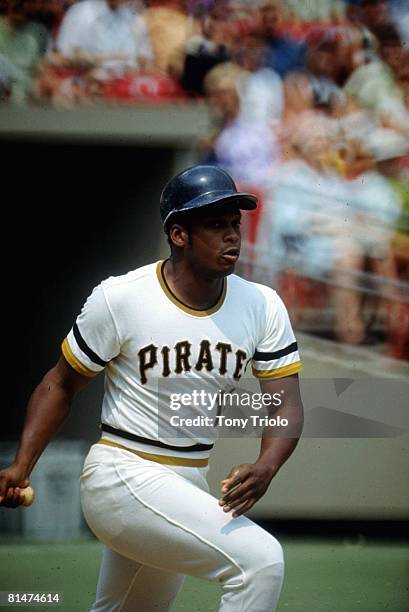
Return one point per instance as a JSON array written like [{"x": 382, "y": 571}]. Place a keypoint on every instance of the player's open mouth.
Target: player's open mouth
[{"x": 231, "y": 255}]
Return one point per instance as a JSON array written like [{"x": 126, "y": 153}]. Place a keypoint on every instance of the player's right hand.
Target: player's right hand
[{"x": 12, "y": 479}]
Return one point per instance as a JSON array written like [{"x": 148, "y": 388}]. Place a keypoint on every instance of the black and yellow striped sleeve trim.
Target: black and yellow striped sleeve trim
[
  {"x": 287, "y": 370},
  {"x": 291, "y": 348},
  {"x": 74, "y": 362},
  {"x": 92, "y": 356}
]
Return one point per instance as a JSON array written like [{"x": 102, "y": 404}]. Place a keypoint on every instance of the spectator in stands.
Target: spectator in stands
[
  {"x": 284, "y": 53},
  {"x": 261, "y": 92},
  {"x": 392, "y": 49},
  {"x": 206, "y": 49},
  {"x": 317, "y": 86},
  {"x": 98, "y": 40},
  {"x": 378, "y": 207},
  {"x": 325, "y": 226},
  {"x": 298, "y": 97},
  {"x": 104, "y": 31},
  {"x": 170, "y": 27},
  {"x": 307, "y": 194},
  {"x": 22, "y": 45},
  {"x": 391, "y": 151},
  {"x": 49, "y": 12},
  {"x": 375, "y": 14},
  {"x": 374, "y": 87},
  {"x": 244, "y": 144},
  {"x": 221, "y": 87},
  {"x": 353, "y": 11},
  {"x": 395, "y": 54}
]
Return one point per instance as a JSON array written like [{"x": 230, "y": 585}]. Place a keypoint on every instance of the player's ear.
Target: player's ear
[{"x": 179, "y": 235}]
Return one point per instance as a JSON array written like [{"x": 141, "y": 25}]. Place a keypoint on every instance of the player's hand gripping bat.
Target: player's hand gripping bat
[{"x": 25, "y": 498}]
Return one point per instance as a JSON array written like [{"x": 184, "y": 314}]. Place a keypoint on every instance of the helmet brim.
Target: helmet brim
[{"x": 244, "y": 201}]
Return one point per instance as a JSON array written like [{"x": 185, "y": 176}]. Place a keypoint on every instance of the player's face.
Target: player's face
[{"x": 215, "y": 240}]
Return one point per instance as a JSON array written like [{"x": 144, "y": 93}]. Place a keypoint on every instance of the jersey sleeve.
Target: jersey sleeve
[
  {"x": 93, "y": 340},
  {"x": 276, "y": 354}
]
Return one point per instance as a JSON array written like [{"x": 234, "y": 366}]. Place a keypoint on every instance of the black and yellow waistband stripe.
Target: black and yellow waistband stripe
[
  {"x": 130, "y": 436},
  {"x": 291, "y": 348},
  {"x": 287, "y": 370},
  {"x": 74, "y": 362},
  {"x": 163, "y": 459},
  {"x": 193, "y": 311},
  {"x": 86, "y": 349}
]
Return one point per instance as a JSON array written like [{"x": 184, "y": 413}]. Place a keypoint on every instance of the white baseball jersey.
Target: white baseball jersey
[{"x": 153, "y": 346}]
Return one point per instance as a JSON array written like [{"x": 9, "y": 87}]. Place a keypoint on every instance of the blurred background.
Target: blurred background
[{"x": 304, "y": 102}]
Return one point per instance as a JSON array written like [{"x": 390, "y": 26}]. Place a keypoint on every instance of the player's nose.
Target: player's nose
[{"x": 233, "y": 234}]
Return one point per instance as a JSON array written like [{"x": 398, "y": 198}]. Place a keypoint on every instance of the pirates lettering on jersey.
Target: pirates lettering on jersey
[
  {"x": 183, "y": 350},
  {"x": 241, "y": 358},
  {"x": 224, "y": 348},
  {"x": 148, "y": 358},
  {"x": 205, "y": 358}
]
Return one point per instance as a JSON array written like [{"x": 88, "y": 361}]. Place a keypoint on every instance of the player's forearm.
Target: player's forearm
[
  {"x": 274, "y": 452},
  {"x": 279, "y": 442},
  {"x": 47, "y": 409}
]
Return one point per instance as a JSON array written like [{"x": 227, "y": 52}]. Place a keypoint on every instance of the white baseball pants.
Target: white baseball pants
[{"x": 159, "y": 523}]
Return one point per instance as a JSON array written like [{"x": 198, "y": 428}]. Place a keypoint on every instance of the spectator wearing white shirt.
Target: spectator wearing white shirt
[{"x": 105, "y": 30}]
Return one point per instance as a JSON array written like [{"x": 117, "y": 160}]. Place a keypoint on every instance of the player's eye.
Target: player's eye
[{"x": 214, "y": 224}]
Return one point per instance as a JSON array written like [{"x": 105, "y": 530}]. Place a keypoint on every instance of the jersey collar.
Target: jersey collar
[{"x": 172, "y": 297}]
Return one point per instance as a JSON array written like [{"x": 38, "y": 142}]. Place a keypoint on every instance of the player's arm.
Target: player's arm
[
  {"x": 47, "y": 409},
  {"x": 247, "y": 483}
]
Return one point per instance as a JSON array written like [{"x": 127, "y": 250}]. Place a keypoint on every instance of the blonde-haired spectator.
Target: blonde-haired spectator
[
  {"x": 244, "y": 143},
  {"x": 221, "y": 87},
  {"x": 169, "y": 27}
]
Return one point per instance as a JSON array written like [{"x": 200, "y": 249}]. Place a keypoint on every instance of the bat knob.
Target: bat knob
[{"x": 27, "y": 496}]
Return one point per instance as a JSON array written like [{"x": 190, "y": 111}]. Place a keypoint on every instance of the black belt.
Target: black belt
[{"x": 130, "y": 436}]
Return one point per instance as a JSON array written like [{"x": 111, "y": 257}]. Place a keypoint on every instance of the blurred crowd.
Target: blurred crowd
[{"x": 311, "y": 110}]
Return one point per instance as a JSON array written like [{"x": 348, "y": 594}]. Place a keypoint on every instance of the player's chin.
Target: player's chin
[
  {"x": 219, "y": 267},
  {"x": 227, "y": 263}
]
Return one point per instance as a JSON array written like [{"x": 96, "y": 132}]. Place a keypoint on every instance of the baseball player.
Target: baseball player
[{"x": 171, "y": 328}]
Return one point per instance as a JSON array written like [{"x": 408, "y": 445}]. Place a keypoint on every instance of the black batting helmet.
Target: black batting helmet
[{"x": 200, "y": 186}]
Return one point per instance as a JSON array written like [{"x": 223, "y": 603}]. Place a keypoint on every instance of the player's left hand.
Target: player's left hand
[
  {"x": 12, "y": 480},
  {"x": 244, "y": 486}
]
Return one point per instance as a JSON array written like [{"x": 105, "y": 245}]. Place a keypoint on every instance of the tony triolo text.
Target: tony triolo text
[{"x": 254, "y": 420}]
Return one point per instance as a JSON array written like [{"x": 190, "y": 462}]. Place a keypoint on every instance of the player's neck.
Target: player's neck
[{"x": 190, "y": 287}]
